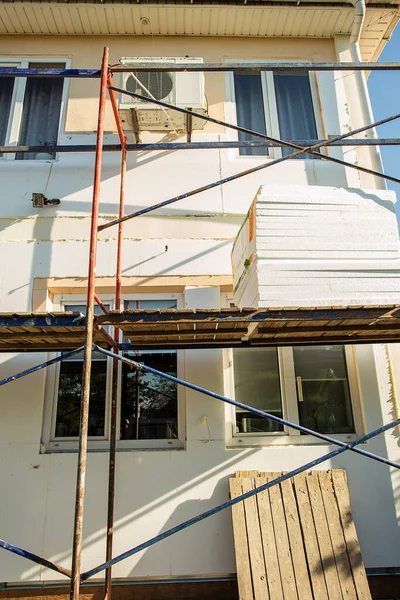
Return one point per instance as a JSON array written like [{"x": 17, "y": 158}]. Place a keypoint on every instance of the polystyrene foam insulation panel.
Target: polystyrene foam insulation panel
[{"x": 317, "y": 246}]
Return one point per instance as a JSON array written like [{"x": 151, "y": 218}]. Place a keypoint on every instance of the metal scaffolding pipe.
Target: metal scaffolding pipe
[
  {"x": 74, "y": 148},
  {"x": 87, "y": 361},
  {"x": 256, "y": 411},
  {"x": 248, "y": 67},
  {"x": 229, "y": 503},
  {"x": 48, "y": 72},
  {"x": 299, "y": 67},
  {"x": 114, "y": 395},
  {"x": 40, "y": 366},
  {"x": 99, "y": 303},
  {"x": 214, "y": 184},
  {"x": 117, "y": 118},
  {"x": 264, "y": 136},
  {"x": 35, "y": 558}
]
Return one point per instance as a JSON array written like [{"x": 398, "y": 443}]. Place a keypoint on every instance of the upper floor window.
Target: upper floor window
[
  {"x": 30, "y": 110},
  {"x": 312, "y": 386},
  {"x": 148, "y": 407},
  {"x": 279, "y": 104}
]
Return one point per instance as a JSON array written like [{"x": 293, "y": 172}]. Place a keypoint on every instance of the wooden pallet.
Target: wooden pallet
[{"x": 297, "y": 540}]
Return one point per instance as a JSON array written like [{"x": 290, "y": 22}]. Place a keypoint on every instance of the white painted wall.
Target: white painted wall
[{"x": 156, "y": 490}]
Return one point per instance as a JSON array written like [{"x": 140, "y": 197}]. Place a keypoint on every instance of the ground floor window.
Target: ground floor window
[
  {"x": 148, "y": 405},
  {"x": 314, "y": 386}
]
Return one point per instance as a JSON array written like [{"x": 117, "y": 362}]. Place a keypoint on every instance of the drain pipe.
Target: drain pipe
[
  {"x": 359, "y": 17},
  {"x": 365, "y": 103}
]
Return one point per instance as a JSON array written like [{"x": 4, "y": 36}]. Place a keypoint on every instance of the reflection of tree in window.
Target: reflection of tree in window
[
  {"x": 155, "y": 415},
  {"x": 70, "y": 389},
  {"x": 69, "y": 398}
]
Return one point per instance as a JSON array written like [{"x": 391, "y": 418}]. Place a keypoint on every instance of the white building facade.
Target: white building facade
[{"x": 180, "y": 257}]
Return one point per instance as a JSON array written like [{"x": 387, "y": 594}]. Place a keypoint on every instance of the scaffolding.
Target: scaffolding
[{"x": 201, "y": 329}]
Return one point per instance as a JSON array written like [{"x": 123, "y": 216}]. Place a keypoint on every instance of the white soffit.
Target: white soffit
[{"x": 51, "y": 18}]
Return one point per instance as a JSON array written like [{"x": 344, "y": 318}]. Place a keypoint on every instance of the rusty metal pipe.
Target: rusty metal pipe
[
  {"x": 85, "y": 397},
  {"x": 114, "y": 395},
  {"x": 99, "y": 303},
  {"x": 114, "y": 105},
  {"x": 110, "y": 341}
]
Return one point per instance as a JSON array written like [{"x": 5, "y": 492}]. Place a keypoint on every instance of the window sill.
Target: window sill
[
  {"x": 104, "y": 446},
  {"x": 286, "y": 440}
]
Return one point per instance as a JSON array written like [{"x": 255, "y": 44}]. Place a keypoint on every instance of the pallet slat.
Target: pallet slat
[
  {"x": 240, "y": 537},
  {"x": 353, "y": 548},
  {"x": 297, "y": 537}
]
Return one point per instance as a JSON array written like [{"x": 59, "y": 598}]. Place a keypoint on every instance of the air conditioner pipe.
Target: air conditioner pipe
[{"x": 361, "y": 82}]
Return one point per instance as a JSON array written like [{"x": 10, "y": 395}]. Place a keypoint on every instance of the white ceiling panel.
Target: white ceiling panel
[{"x": 50, "y": 18}]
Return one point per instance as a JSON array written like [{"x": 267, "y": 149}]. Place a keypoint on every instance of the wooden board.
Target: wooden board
[
  {"x": 214, "y": 328},
  {"x": 176, "y": 328},
  {"x": 297, "y": 539}
]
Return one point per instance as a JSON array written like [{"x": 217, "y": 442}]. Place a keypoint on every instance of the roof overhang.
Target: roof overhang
[{"x": 198, "y": 18}]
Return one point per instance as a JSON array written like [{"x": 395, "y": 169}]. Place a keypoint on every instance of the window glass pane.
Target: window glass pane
[
  {"x": 295, "y": 108},
  {"x": 41, "y": 113},
  {"x": 6, "y": 92},
  {"x": 323, "y": 389},
  {"x": 250, "y": 110},
  {"x": 256, "y": 376},
  {"x": 149, "y": 403},
  {"x": 69, "y": 398},
  {"x": 155, "y": 415},
  {"x": 149, "y": 304},
  {"x": 70, "y": 389}
]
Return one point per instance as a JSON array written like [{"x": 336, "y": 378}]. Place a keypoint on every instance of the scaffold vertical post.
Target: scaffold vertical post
[
  {"x": 113, "y": 426},
  {"x": 87, "y": 360}
]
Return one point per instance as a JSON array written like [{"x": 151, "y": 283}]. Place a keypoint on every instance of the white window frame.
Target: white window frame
[
  {"x": 270, "y": 109},
  {"x": 17, "y": 102},
  {"x": 50, "y": 443},
  {"x": 290, "y": 436}
]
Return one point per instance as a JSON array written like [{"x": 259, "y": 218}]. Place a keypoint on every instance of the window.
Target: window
[
  {"x": 68, "y": 401},
  {"x": 148, "y": 405},
  {"x": 30, "y": 110},
  {"x": 279, "y": 104},
  {"x": 314, "y": 386}
]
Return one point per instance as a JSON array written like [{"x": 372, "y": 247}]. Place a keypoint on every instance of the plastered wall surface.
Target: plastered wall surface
[{"x": 158, "y": 489}]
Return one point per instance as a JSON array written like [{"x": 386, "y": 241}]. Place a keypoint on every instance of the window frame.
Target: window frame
[
  {"x": 52, "y": 444},
  {"x": 270, "y": 108},
  {"x": 17, "y": 103},
  {"x": 289, "y": 395}
]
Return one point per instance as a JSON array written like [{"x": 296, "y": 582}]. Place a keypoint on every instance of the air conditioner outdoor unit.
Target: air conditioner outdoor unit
[{"x": 182, "y": 89}]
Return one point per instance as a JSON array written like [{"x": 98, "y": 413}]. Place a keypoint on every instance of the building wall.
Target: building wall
[{"x": 158, "y": 489}]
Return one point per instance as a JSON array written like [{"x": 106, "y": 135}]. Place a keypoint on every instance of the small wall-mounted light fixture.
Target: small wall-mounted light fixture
[
  {"x": 40, "y": 201},
  {"x": 145, "y": 21}
]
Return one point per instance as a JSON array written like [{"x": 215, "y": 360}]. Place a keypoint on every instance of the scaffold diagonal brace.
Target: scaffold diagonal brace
[
  {"x": 233, "y": 501},
  {"x": 256, "y": 411}
]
